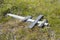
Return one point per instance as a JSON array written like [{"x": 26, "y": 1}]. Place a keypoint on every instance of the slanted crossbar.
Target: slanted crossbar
[{"x": 35, "y": 22}]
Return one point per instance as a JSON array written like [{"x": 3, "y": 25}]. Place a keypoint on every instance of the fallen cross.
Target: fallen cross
[{"x": 29, "y": 19}]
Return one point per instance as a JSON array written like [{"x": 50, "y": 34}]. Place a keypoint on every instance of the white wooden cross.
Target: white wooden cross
[{"x": 29, "y": 19}]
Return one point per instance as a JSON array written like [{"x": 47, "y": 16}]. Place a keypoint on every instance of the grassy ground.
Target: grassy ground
[{"x": 49, "y": 8}]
